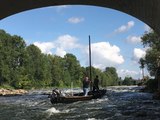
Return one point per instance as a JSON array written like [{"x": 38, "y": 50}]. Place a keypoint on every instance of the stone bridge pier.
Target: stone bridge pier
[{"x": 147, "y": 11}]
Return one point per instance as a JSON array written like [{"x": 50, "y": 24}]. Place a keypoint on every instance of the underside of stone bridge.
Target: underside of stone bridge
[{"x": 147, "y": 11}]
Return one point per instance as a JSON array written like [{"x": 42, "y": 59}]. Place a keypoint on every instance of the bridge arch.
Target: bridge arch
[{"x": 146, "y": 11}]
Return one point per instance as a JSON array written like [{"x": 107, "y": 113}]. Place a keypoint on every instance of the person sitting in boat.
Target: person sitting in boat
[
  {"x": 95, "y": 84},
  {"x": 86, "y": 83},
  {"x": 55, "y": 93}
]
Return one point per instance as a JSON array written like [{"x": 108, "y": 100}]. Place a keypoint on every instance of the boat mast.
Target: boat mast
[{"x": 90, "y": 66}]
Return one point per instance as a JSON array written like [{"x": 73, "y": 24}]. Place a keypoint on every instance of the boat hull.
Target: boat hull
[{"x": 76, "y": 97}]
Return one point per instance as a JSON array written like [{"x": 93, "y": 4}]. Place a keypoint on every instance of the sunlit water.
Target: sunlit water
[{"x": 119, "y": 103}]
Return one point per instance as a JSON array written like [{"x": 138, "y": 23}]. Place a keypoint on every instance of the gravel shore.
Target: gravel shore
[{"x": 11, "y": 92}]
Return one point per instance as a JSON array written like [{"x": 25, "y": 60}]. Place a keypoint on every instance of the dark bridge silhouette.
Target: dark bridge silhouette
[{"x": 147, "y": 11}]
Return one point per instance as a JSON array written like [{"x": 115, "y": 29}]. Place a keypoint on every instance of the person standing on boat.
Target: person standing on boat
[
  {"x": 86, "y": 83},
  {"x": 95, "y": 84}
]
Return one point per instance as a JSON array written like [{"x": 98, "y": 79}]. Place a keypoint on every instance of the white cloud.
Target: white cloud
[
  {"x": 45, "y": 47},
  {"x": 60, "y": 52},
  {"x": 138, "y": 53},
  {"x": 67, "y": 42},
  {"x": 104, "y": 55},
  {"x": 133, "y": 39},
  {"x": 125, "y": 28},
  {"x": 64, "y": 43},
  {"x": 123, "y": 73},
  {"x": 147, "y": 28},
  {"x": 75, "y": 20},
  {"x": 61, "y": 45},
  {"x": 61, "y": 7}
]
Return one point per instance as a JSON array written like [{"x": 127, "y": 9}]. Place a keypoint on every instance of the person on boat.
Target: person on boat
[
  {"x": 95, "y": 84},
  {"x": 86, "y": 83}
]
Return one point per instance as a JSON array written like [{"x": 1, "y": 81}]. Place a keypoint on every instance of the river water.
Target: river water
[{"x": 119, "y": 103}]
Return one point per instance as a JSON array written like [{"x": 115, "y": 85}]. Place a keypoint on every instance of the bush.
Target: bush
[
  {"x": 6, "y": 86},
  {"x": 151, "y": 85}
]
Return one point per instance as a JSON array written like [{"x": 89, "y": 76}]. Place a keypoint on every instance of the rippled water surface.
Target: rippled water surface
[{"x": 122, "y": 103}]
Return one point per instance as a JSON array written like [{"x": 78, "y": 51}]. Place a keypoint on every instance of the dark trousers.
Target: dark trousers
[{"x": 95, "y": 87}]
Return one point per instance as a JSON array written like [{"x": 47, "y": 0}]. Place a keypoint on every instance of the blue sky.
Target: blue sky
[{"x": 115, "y": 36}]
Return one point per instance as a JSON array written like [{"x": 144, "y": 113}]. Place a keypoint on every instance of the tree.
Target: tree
[
  {"x": 12, "y": 58},
  {"x": 112, "y": 75},
  {"x": 142, "y": 65},
  {"x": 104, "y": 79},
  {"x": 127, "y": 80},
  {"x": 35, "y": 65},
  {"x": 24, "y": 66},
  {"x": 57, "y": 70},
  {"x": 73, "y": 66},
  {"x": 151, "y": 40}
]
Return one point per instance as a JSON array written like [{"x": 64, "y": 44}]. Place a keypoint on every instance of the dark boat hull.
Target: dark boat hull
[{"x": 77, "y": 97}]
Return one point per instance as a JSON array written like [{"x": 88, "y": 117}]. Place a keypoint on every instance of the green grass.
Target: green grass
[{"x": 6, "y": 86}]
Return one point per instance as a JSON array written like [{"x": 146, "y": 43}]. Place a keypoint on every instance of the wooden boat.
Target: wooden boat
[{"x": 57, "y": 97}]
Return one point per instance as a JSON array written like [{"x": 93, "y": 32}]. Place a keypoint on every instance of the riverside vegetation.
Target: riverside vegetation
[{"x": 26, "y": 67}]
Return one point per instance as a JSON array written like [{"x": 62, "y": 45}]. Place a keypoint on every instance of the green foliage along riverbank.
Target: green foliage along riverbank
[{"x": 23, "y": 66}]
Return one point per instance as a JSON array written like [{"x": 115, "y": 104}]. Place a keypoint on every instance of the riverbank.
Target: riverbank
[{"x": 12, "y": 92}]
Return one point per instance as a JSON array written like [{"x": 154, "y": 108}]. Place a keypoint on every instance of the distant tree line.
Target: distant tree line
[
  {"x": 23, "y": 66},
  {"x": 128, "y": 81}
]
